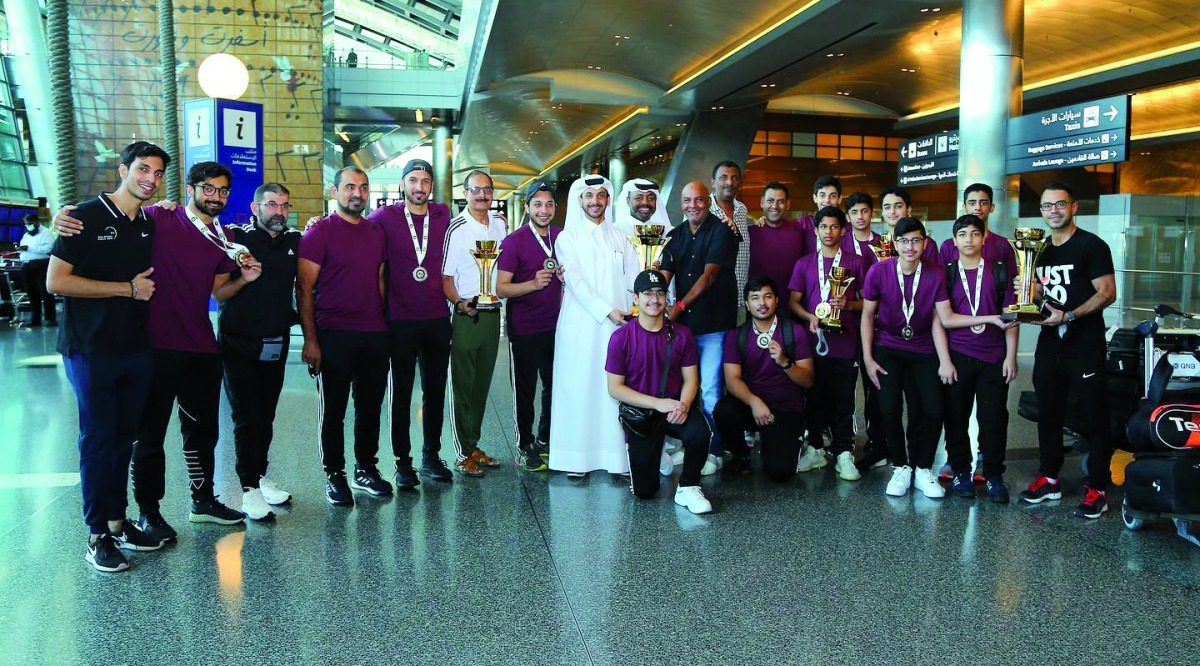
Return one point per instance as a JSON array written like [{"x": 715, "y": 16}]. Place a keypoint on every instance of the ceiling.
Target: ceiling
[{"x": 554, "y": 75}]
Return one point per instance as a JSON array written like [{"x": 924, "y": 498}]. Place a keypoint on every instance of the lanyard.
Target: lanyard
[
  {"x": 822, "y": 277},
  {"x": 421, "y": 248},
  {"x": 962, "y": 275},
  {"x": 220, "y": 240},
  {"x": 906, "y": 306},
  {"x": 548, "y": 249},
  {"x": 764, "y": 339}
]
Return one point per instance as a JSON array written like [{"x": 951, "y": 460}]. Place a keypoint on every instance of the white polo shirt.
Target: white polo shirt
[{"x": 460, "y": 240}]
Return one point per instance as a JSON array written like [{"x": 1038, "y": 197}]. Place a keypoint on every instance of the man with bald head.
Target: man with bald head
[{"x": 701, "y": 257}]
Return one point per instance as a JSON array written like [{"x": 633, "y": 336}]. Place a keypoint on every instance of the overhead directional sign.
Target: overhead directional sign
[
  {"x": 1075, "y": 135},
  {"x": 929, "y": 159}
]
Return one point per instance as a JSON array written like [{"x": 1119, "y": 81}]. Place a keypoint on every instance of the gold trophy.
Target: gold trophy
[
  {"x": 649, "y": 242},
  {"x": 828, "y": 315},
  {"x": 886, "y": 248},
  {"x": 1028, "y": 244},
  {"x": 485, "y": 253}
]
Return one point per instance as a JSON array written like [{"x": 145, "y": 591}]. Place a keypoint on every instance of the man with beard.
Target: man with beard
[
  {"x": 599, "y": 266},
  {"x": 528, "y": 276},
  {"x": 475, "y": 339},
  {"x": 35, "y": 247},
  {"x": 339, "y": 291},
  {"x": 726, "y": 186},
  {"x": 777, "y": 243},
  {"x": 254, "y": 329},
  {"x": 701, "y": 256},
  {"x": 765, "y": 374},
  {"x": 1075, "y": 277},
  {"x": 640, "y": 198},
  {"x": 105, "y": 276},
  {"x": 418, "y": 320}
]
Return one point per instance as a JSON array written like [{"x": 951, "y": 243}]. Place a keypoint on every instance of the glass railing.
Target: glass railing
[{"x": 369, "y": 58}]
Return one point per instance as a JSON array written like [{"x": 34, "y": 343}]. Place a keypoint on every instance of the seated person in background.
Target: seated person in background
[
  {"x": 765, "y": 374},
  {"x": 652, "y": 364}
]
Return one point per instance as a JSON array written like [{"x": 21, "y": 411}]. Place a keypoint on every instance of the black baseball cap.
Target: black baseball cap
[
  {"x": 647, "y": 280},
  {"x": 417, "y": 165},
  {"x": 537, "y": 186}
]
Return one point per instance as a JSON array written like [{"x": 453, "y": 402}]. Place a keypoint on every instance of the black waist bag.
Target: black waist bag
[
  {"x": 1164, "y": 482},
  {"x": 641, "y": 421}
]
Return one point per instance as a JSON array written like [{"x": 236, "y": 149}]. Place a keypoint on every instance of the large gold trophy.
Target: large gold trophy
[
  {"x": 649, "y": 241},
  {"x": 828, "y": 315},
  {"x": 886, "y": 247},
  {"x": 486, "y": 252},
  {"x": 1028, "y": 244}
]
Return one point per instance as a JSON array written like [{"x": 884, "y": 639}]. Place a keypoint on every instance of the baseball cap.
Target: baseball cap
[
  {"x": 417, "y": 165},
  {"x": 535, "y": 187},
  {"x": 647, "y": 280}
]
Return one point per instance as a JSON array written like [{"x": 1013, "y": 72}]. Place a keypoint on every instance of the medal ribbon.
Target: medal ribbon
[
  {"x": 962, "y": 275},
  {"x": 421, "y": 248},
  {"x": 905, "y": 306},
  {"x": 548, "y": 249},
  {"x": 822, "y": 276},
  {"x": 770, "y": 332}
]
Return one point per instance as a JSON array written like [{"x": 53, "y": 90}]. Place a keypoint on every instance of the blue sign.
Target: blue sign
[
  {"x": 929, "y": 159},
  {"x": 1074, "y": 135},
  {"x": 229, "y": 132}
]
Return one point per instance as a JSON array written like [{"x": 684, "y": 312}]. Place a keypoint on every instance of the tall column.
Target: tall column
[
  {"x": 443, "y": 175},
  {"x": 991, "y": 73},
  {"x": 28, "y": 44},
  {"x": 616, "y": 170}
]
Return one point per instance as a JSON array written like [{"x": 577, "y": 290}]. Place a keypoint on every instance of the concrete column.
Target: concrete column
[
  {"x": 443, "y": 172},
  {"x": 711, "y": 136},
  {"x": 27, "y": 38},
  {"x": 990, "y": 78},
  {"x": 616, "y": 170}
]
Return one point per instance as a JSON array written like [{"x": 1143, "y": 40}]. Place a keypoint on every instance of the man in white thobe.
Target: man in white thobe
[{"x": 599, "y": 265}]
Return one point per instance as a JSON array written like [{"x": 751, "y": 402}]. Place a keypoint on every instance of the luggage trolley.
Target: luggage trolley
[{"x": 1166, "y": 484}]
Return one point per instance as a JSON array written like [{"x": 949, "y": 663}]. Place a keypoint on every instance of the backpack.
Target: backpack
[
  {"x": 789, "y": 337},
  {"x": 999, "y": 272}
]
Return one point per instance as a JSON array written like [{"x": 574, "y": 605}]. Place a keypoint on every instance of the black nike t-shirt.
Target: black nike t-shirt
[{"x": 1066, "y": 272}]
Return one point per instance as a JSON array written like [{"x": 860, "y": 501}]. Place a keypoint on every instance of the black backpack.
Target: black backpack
[
  {"x": 789, "y": 337},
  {"x": 999, "y": 272}
]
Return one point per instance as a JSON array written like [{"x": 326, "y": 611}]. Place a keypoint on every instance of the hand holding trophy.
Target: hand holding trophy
[
  {"x": 486, "y": 252},
  {"x": 829, "y": 316},
  {"x": 1028, "y": 244},
  {"x": 886, "y": 247}
]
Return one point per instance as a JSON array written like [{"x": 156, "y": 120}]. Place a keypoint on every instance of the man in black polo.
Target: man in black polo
[
  {"x": 701, "y": 256},
  {"x": 253, "y": 331},
  {"x": 105, "y": 275}
]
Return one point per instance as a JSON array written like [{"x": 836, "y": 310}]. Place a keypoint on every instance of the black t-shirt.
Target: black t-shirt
[
  {"x": 264, "y": 308},
  {"x": 1066, "y": 272},
  {"x": 686, "y": 255},
  {"x": 111, "y": 248}
]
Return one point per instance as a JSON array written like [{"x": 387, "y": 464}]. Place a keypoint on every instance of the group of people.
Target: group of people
[{"x": 379, "y": 295}]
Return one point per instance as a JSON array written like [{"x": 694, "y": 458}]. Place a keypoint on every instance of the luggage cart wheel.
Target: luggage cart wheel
[{"x": 1132, "y": 522}]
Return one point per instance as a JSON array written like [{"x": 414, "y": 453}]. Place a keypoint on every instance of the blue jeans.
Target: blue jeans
[{"x": 711, "y": 348}]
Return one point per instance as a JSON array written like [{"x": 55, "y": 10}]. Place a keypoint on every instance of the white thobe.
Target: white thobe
[{"x": 599, "y": 265}]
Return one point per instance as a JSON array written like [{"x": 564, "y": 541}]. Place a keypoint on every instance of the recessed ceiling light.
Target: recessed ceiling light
[{"x": 771, "y": 86}]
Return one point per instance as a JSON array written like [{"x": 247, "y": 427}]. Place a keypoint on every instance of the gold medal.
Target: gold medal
[{"x": 823, "y": 311}]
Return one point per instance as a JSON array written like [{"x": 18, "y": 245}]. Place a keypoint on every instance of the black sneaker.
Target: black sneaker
[
  {"x": 406, "y": 476},
  {"x": 738, "y": 466},
  {"x": 1040, "y": 490},
  {"x": 104, "y": 555},
  {"x": 337, "y": 491},
  {"x": 873, "y": 459},
  {"x": 997, "y": 490},
  {"x": 1094, "y": 504},
  {"x": 210, "y": 510},
  {"x": 131, "y": 538},
  {"x": 531, "y": 460},
  {"x": 155, "y": 527},
  {"x": 963, "y": 486},
  {"x": 369, "y": 481},
  {"x": 542, "y": 449},
  {"x": 435, "y": 468}
]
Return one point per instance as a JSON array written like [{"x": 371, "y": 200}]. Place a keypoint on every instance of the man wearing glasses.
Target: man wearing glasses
[
  {"x": 1075, "y": 277},
  {"x": 253, "y": 333},
  {"x": 475, "y": 339}
]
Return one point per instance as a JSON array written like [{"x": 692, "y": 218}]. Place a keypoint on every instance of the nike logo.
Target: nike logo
[
  {"x": 145, "y": 235},
  {"x": 1086, "y": 375},
  {"x": 291, "y": 254}
]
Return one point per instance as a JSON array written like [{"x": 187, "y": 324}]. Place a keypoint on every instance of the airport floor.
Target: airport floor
[{"x": 530, "y": 568}]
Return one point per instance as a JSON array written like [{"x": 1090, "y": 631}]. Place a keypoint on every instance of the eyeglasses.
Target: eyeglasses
[
  {"x": 479, "y": 190},
  {"x": 1060, "y": 205},
  {"x": 656, "y": 294},
  {"x": 909, "y": 241},
  {"x": 210, "y": 190},
  {"x": 272, "y": 206}
]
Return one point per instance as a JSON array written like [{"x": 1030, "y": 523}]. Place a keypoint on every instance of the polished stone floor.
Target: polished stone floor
[{"x": 526, "y": 568}]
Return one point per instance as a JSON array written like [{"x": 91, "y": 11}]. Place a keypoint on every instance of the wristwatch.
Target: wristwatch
[
  {"x": 1070, "y": 316},
  {"x": 788, "y": 365}
]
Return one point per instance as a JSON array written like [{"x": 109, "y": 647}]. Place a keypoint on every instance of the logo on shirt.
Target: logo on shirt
[
  {"x": 1055, "y": 280},
  {"x": 110, "y": 233},
  {"x": 291, "y": 254}
]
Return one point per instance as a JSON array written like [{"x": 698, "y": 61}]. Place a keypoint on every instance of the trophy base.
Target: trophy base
[
  {"x": 834, "y": 325},
  {"x": 487, "y": 302},
  {"x": 1025, "y": 314}
]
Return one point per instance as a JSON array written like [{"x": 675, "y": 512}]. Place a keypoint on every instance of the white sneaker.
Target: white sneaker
[
  {"x": 901, "y": 480},
  {"x": 811, "y": 459},
  {"x": 272, "y": 493},
  {"x": 712, "y": 465},
  {"x": 926, "y": 481},
  {"x": 254, "y": 506},
  {"x": 677, "y": 458},
  {"x": 666, "y": 467},
  {"x": 693, "y": 498},
  {"x": 845, "y": 467}
]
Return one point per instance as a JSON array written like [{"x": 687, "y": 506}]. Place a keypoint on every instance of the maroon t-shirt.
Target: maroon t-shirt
[
  {"x": 995, "y": 248},
  {"x": 804, "y": 280},
  {"x": 774, "y": 251},
  {"x": 861, "y": 249},
  {"x": 349, "y": 255},
  {"x": 988, "y": 345},
  {"x": 185, "y": 263},
  {"x": 523, "y": 256},
  {"x": 638, "y": 355},
  {"x": 881, "y": 286},
  {"x": 408, "y": 299},
  {"x": 763, "y": 375}
]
